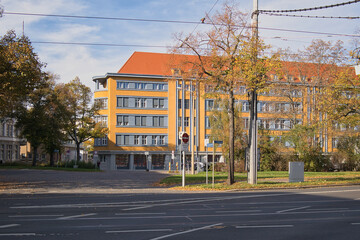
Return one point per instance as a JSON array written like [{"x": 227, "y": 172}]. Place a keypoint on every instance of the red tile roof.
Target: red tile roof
[{"x": 147, "y": 63}]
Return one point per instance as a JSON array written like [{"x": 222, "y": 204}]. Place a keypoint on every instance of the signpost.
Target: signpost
[
  {"x": 184, "y": 143},
  {"x": 206, "y": 143}
]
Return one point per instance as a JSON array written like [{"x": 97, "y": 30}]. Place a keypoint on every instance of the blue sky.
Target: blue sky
[{"x": 69, "y": 61}]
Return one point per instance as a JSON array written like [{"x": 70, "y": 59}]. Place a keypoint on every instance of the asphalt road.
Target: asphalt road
[{"x": 322, "y": 213}]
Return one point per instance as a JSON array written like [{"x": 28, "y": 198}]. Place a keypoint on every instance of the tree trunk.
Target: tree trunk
[
  {"x": 77, "y": 153},
  {"x": 52, "y": 159},
  {"x": 231, "y": 178},
  {"x": 34, "y": 157}
]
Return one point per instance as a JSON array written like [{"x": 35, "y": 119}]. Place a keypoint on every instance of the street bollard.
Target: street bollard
[{"x": 169, "y": 167}]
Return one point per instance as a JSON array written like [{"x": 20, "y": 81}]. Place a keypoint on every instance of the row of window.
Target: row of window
[
  {"x": 141, "y": 86},
  {"x": 261, "y": 107},
  {"x": 270, "y": 124},
  {"x": 145, "y": 121},
  {"x": 141, "y": 102},
  {"x": 141, "y": 140},
  {"x": 9, "y": 152},
  {"x": 7, "y": 129}
]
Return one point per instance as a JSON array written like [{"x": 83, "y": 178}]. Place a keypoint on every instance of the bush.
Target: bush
[{"x": 81, "y": 164}]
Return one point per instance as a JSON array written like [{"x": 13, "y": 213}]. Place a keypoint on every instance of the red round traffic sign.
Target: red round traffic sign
[{"x": 185, "y": 137}]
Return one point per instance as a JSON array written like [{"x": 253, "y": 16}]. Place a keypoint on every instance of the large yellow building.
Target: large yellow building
[{"x": 145, "y": 106}]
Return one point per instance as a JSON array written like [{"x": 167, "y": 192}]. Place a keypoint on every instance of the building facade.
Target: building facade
[
  {"x": 10, "y": 142},
  {"x": 145, "y": 106}
]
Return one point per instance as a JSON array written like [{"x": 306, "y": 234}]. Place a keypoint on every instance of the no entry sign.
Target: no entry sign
[{"x": 185, "y": 138}]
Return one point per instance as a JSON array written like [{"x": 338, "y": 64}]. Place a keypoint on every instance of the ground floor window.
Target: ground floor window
[
  {"x": 157, "y": 161},
  {"x": 122, "y": 161},
  {"x": 140, "y": 161}
]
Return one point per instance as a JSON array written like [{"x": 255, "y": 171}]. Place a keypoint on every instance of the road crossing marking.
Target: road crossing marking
[
  {"x": 76, "y": 216},
  {"x": 188, "y": 231},
  {"x": 292, "y": 209},
  {"x": 9, "y": 225}
]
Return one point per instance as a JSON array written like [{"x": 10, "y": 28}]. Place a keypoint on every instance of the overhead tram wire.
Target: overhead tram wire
[
  {"x": 309, "y": 16},
  {"x": 174, "y": 21},
  {"x": 310, "y": 9}
]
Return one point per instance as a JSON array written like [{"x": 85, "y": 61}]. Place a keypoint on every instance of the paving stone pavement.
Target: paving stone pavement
[{"x": 27, "y": 181}]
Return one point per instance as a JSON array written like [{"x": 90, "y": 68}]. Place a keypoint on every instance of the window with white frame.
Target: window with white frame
[
  {"x": 103, "y": 102},
  {"x": 154, "y": 140},
  {"x": 162, "y": 140},
  {"x": 137, "y": 140},
  {"x": 144, "y": 140},
  {"x": 140, "y": 102}
]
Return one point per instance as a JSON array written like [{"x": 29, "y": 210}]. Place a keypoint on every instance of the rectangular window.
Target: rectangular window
[
  {"x": 140, "y": 85},
  {"x": 161, "y": 103},
  {"x": 144, "y": 140},
  {"x": 122, "y": 120},
  {"x": 140, "y": 120},
  {"x": 140, "y": 102},
  {"x": 126, "y": 140},
  {"x": 207, "y": 122},
  {"x": 122, "y": 102},
  {"x": 158, "y": 121},
  {"x": 156, "y": 103},
  {"x": 137, "y": 140},
  {"x": 162, "y": 140},
  {"x": 122, "y": 85},
  {"x": 103, "y": 102},
  {"x": 179, "y": 122},
  {"x": 154, "y": 140},
  {"x": 245, "y": 106},
  {"x": 187, "y": 122},
  {"x": 187, "y": 104}
]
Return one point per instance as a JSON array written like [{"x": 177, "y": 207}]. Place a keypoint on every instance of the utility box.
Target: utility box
[
  {"x": 296, "y": 171},
  {"x": 357, "y": 69}
]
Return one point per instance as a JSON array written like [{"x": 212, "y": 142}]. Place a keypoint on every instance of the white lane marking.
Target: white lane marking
[
  {"x": 140, "y": 230},
  {"x": 188, "y": 231},
  {"x": 292, "y": 209},
  {"x": 76, "y": 216},
  {"x": 355, "y": 223},
  {"x": 208, "y": 200},
  {"x": 326, "y": 209},
  {"x": 240, "y": 211},
  {"x": 266, "y": 226},
  {"x": 25, "y": 216},
  {"x": 127, "y": 214},
  {"x": 333, "y": 191},
  {"x": 16, "y": 234},
  {"x": 9, "y": 225}
]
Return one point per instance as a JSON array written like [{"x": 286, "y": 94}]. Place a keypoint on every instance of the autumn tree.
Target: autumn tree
[
  {"x": 31, "y": 120},
  {"x": 54, "y": 122},
  {"x": 20, "y": 73},
  {"x": 79, "y": 114},
  {"x": 219, "y": 122},
  {"x": 224, "y": 61}
]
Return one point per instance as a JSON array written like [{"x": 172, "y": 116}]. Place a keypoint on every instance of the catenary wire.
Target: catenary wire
[
  {"x": 309, "y": 9},
  {"x": 176, "y": 21},
  {"x": 309, "y": 16}
]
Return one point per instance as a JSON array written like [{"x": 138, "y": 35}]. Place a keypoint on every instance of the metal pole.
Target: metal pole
[
  {"x": 207, "y": 164},
  {"x": 213, "y": 166},
  {"x": 192, "y": 129},
  {"x": 183, "y": 170},
  {"x": 252, "y": 177}
]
